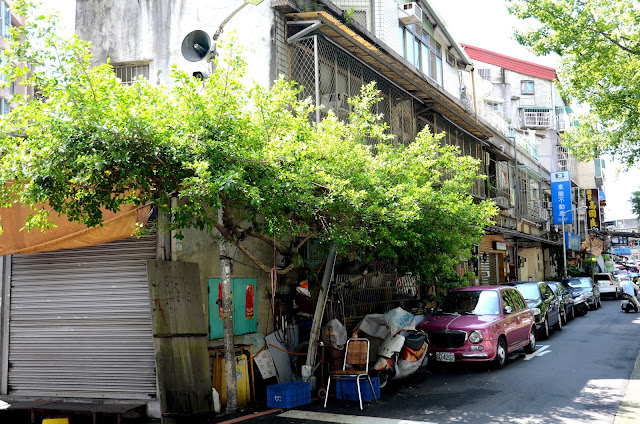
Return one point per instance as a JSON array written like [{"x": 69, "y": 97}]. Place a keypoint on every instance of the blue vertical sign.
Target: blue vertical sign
[{"x": 561, "y": 197}]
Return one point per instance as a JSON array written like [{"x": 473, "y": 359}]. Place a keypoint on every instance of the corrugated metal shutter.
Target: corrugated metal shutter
[{"x": 80, "y": 322}]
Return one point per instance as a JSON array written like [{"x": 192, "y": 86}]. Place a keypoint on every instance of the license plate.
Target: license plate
[{"x": 445, "y": 357}]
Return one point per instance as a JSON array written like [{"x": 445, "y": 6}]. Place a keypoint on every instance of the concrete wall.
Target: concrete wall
[
  {"x": 152, "y": 31},
  {"x": 202, "y": 248}
]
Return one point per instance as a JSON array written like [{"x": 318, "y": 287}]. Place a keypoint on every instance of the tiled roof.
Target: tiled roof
[{"x": 510, "y": 63}]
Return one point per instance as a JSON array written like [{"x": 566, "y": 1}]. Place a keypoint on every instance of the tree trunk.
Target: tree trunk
[{"x": 227, "y": 323}]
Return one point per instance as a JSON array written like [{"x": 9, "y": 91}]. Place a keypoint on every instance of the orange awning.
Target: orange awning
[{"x": 66, "y": 235}]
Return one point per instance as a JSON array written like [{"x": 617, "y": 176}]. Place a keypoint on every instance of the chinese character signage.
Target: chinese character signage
[
  {"x": 593, "y": 209},
  {"x": 561, "y": 197}
]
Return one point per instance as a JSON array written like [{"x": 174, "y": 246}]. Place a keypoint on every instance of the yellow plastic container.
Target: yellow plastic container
[
  {"x": 55, "y": 421},
  {"x": 242, "y": 379}
]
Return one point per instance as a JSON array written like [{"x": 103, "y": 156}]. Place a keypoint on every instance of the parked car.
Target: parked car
[
  {"x": 585, "y": 292},
  {"x": 481, "y": 323},
  {"x": 567, "y": 310},
  {"x": 540, "y": 296},
  {"x": 608, "y": 285}
]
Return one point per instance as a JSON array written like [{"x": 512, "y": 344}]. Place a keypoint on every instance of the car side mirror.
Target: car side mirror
[{"x": 507, "y": 310}]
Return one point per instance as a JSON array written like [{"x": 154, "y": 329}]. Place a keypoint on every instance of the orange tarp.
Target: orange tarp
[{"x": 65, "y": 235}]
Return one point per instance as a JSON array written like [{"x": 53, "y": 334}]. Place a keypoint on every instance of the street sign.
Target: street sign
[{"x": 561, "y": 197}]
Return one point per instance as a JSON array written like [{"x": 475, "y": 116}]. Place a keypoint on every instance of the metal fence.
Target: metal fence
[
  {"x": 373, "y": 294},
  {"x": 330, "y": 76}
]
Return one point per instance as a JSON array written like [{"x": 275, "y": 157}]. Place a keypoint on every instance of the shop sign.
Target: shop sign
[{"x": 561, "y": 197}]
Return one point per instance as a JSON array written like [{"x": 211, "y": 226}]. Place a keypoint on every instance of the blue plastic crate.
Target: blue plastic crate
[
  {"x": 289, "y": 395},
  {"x": 346, "y": 389}
]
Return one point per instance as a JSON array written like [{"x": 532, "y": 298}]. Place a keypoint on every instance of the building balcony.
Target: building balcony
[
  {"x": 533, "y": 211},
  {"x": 538, "y": 118},
  {"x": 501, "y": 197}
]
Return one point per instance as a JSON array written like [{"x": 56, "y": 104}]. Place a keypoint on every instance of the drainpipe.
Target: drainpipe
[{"x": 473, "y": 84}]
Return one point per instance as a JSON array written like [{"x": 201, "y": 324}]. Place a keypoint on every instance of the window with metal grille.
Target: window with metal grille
[
  {"x": 128, "y": 73},
  {"x": 485, "y": 74},
  {"x": 563, "y": 158}
]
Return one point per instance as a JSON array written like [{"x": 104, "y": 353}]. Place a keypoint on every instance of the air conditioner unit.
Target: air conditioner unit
[
  {"x": 337, "y": 102},
  {"x": 410, "y": 14}
]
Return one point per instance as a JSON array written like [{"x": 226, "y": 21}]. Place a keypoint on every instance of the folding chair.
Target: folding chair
[{"x": 356, "y": 358}]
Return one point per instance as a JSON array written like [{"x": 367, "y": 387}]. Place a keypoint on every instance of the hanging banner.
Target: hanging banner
[
  {"x": 561, "y": 197},
  {"x": 249, "y": 302},
  {"x": 593, "y": 209}
]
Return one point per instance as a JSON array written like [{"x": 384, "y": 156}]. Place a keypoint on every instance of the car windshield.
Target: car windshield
[
  {"x": 529, "y": 291},
  {"x": 481, "y": 302},
  {"x": 577, "y": 283},
  {"x": 554, "y": 286}
]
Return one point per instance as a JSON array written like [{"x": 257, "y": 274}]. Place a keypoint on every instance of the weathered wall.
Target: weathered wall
[
  {"x": 202, "y": 248},
  {"x": 153, "y": 30}
]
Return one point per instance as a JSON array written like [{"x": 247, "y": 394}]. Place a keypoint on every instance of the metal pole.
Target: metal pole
[
  {"x": 316, "y": 71},
  {"x": 564, "y": 244},
  {"x": 322, "y": 301}
]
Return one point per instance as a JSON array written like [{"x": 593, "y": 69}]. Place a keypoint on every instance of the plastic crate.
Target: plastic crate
[
  {"x": 346, "y": 389},
  {"x": 289, "y": 395}
]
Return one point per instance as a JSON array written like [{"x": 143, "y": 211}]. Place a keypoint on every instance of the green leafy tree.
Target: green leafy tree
[
  {"x": 599, "y": 43},
  {"x": 635, "y": 203},
  {"x": 241, "y": 161}
]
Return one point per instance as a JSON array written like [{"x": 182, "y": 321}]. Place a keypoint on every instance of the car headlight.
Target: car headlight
[{"x": 475, "y": 336}]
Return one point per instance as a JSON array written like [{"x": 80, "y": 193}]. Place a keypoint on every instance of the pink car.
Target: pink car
[{"x": 481, "y": 323}]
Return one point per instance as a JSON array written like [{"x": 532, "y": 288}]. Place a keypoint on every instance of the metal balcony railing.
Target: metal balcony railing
[{"x": 535, "y": 118}]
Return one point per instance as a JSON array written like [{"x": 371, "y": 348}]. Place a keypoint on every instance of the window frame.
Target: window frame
[{"x": 527, "y": 87}]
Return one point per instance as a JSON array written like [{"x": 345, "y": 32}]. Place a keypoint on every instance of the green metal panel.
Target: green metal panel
[
  {"x": 243, "y": 294},
  {"x": 244, "y": 305}
]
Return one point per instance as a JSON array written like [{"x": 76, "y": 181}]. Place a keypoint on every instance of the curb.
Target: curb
[{"x": 629, "y": 410}]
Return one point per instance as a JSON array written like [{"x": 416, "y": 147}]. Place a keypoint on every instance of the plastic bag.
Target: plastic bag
[
  {"x": 335, "y": 334},
  {"x": 399, "y": 320}
]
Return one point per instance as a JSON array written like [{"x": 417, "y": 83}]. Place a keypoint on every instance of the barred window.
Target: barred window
[
  {"x": 485, "y": 74},
  {"x": 127, "y": 72}
]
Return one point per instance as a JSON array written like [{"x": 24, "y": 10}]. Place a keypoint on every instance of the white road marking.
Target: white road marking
[
  {"x": 540, "y": 350},
  {"x": 345, "y": 419}
]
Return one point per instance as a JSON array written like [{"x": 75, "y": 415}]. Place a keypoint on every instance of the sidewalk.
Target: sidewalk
[{"x": 629, "y": 410}]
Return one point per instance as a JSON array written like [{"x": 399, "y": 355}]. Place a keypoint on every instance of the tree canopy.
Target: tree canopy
[
  {"x": 599, "y": 45},
  {"x": 87, "y": 142}
]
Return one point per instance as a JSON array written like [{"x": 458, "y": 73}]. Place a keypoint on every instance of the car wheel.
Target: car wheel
[
  {"x": 599, "y": 304},
  {"x": 531, "y": 347},
  {"x": 573, "y": 313},
  {"x": 558, "y": 325},
  {"x": 501, "y": 353},
  {"x": 545, "y": 328}
]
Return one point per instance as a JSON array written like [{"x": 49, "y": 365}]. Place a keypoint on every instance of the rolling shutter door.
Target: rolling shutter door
[{"x": 80, "y": 323}]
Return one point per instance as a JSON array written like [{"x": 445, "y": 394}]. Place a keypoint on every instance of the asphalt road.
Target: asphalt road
[{"x": 579, "y": 375}]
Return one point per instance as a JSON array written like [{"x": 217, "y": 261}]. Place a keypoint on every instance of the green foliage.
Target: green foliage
[
  {"x": 598, "y": 41},
  {"x": 89, "y": 143},
  {"x": 635, "y": 203}
]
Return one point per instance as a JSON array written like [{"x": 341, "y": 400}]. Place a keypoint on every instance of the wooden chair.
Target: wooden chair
[{"x": 356, "y": 365}]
